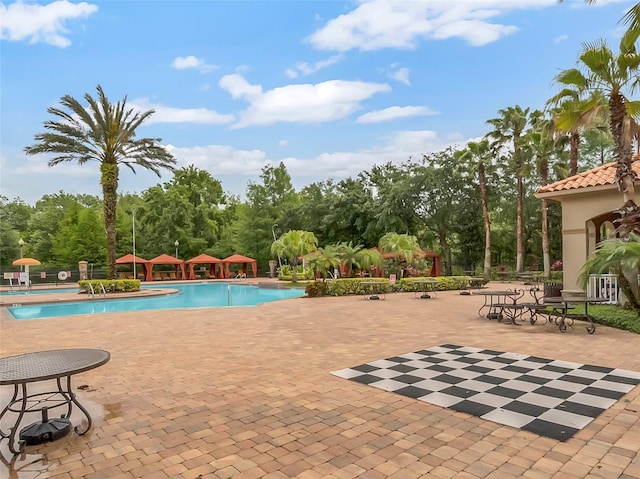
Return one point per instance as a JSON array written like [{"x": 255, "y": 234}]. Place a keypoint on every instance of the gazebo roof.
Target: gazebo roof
[
  {"x": 165, "y": 259},
  {"x": 129, "y": 258},
  {"x": 238, "y": 258},
  {"x": 202, "y": 259}
]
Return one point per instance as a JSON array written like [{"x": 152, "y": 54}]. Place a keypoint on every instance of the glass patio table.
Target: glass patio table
[{"x": 26, "y": 369}]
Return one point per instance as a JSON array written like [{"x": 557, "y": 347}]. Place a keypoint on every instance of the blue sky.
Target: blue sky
[{"x": 330, "y": 88}]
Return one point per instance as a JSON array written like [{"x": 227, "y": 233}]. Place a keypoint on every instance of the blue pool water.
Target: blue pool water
[
  {"x": 17, "y": 292},
  {"x": 201, "y": 295}
]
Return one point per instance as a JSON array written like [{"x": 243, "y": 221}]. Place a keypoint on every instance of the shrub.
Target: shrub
[
  {"x": 317, "y": 288},
  {"x": 110, "y": 285}
]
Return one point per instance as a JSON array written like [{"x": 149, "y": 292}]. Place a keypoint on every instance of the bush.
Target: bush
[
  {"x": 110, "y": 285},
  {"x": 317, "y": 288},
  {"x": 285, "y": 273}
]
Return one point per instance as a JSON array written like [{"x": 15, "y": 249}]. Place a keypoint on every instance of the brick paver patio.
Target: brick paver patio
[{"x": 247, "y": 393}]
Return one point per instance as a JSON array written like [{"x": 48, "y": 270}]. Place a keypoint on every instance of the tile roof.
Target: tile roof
[{"x": 602, "y": 175}]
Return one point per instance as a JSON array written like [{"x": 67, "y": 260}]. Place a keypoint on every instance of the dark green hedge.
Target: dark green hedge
[{"x": 110, "y": 285}]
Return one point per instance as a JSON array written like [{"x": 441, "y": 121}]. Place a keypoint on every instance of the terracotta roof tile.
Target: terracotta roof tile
[{"x": 602, "y": 175}]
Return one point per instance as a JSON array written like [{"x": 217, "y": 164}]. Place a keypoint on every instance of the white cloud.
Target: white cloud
[
  {"x": 300, "y": 103},
  {"x": 306, "y": 69},
  {"x": 377, "y": 24},
  {"x": 397, "y": 148},
  {"x": 283, "y": 142},
  {"x": 184, "y": 63},
  {"x": 394, "y": 113},
  {"x": 41, "y": 23},
  {"x": 401, "y": 75},
  {"x": 560, "y": 38},
  {"x": 167, "y": 114}
]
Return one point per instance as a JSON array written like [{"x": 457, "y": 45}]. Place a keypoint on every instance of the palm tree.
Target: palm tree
[
  {"x": 542, "y": 146},
  {"x": 294, "y": 244},
  {"x": 575, "y": 115},
  {"x": 348, "y": 255},
  {"x": 325, "y": 260},
  {"x": 615, "y": 75},
  {"x": 403, "y": 246},
  {"x": 508, "y": 129},
  {"x": 621, "y": 258},
  {"x": 480, "y": 154},
  {"x": 105, "y": 133},
  {"x": 366, "y": 258}
]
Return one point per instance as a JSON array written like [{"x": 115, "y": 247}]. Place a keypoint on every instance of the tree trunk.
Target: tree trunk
[
  {"x": 546, "y": 258},
  {"x": 544, "y": 179},
  {"x": 446, "y": 251},
  {"x": 519, "y": 225},
  {"x": 294, "y": 270},
  {"x": 109, "y": 180},
  {"x": 625, "y": 176},
  {"x": 486, "y": 270},
  {"x": 573, "y": 156}
]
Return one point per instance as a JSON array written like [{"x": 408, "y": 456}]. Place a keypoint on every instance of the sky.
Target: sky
[{"x": 329, "y": 88}]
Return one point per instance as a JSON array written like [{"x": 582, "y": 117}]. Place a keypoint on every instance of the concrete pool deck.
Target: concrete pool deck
[{"x": 246, "y": 392}]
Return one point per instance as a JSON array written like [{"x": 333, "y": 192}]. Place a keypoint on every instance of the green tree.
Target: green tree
[
  {"x": 293, "y": 245},
  {"x": 404, "y": 246},
  {"x": 479, "y": 155},
  {"x": 324, "y": 260},
  {"x": 508, "y": 129},
  {"x": 617, "y": 76},
  {"x": 105, "y": 133},
  {"x": 348, "y": 255}
]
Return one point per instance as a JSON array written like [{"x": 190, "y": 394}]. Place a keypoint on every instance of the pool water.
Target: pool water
[
  {"x": 201, "y": 295},
  {"x": 17, "y": 292}
]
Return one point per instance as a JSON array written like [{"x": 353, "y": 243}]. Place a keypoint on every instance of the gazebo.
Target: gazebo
[
  {"x": 214, "y": 272},
  {"x": 136, "y": 260},
  {"x": 244, "y": 261},
  {"x": 166, "y": 259}
]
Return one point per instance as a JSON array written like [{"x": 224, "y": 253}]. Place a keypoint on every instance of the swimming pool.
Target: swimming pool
[
  {"x": 17, "y": 292},
  {"x": 201, "y": 295}
]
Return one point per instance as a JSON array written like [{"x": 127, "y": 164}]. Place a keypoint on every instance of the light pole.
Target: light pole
[
  {"x": 21, "y": 244},
  {"x": 133, "y": 233},
  {"x": 273, "y": 232},
  {"x": 176, "y": 244}
]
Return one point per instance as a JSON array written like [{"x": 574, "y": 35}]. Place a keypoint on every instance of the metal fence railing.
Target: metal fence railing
[{"x": 604, "y": 286}]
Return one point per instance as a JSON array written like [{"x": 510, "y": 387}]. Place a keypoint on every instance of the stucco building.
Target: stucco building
[{"x": 588, "y": 200}]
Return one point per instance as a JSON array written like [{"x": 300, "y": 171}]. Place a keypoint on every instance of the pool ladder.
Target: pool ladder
[{"x": 92, "y": 292}]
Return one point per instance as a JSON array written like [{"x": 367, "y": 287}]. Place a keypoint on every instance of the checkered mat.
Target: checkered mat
[{"x": 545, "y": 396}]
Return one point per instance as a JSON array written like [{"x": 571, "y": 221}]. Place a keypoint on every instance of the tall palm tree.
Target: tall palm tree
[
  {"x": 479, "y": 154},
  {"x": 106, "y": 133},
  {"x": 508, "y": 129},
  {"x": 543, "y": 146},
  {"x": 294, "y": 244},
  {"x": 575, "y": 115},
  {"x": 616, "y": 76}
]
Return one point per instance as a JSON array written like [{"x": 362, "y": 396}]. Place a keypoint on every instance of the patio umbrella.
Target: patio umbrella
[{"x": 26, "y": 262}]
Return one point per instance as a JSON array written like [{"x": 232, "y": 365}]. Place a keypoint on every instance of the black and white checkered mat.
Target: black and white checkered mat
[{"x": 545, "y": 396}]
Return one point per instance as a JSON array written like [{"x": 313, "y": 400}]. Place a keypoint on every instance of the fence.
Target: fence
[{"x": 603, "y": 286}]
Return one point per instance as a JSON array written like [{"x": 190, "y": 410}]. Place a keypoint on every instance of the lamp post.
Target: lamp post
[
  {"x": 176, "y": 244},
  {"x": 133, "y": 234},
  {"x": 273, "y": 232},
  {"x": 21, "y": 244}
]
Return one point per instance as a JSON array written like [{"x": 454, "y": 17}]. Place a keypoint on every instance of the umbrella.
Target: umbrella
[{"x": 26, "y": 262}]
